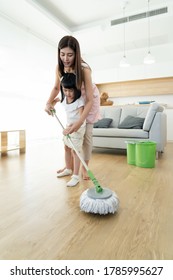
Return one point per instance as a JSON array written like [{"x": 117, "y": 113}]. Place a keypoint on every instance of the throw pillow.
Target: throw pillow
[
  {"x": 103, "y": 123},
  {"x": 132, "y": 122}
]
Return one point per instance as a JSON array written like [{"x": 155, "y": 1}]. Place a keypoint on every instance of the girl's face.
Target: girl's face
[
  {"x": 67, "y": 55},
  {"x": 69, "y": 93}
]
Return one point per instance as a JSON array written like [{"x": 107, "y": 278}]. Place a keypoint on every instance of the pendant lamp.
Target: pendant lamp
[
  {"x": 124, "y": 62},
  {"x": 149, "y": 59}
]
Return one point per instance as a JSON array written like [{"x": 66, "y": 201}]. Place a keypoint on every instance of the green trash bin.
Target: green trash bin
[
  {"x": 146, "y": 154},
  {"x": 131, "y": 152}
]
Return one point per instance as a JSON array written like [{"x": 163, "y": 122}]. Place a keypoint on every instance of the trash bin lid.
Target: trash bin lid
[{"x": 146, "y": 142}]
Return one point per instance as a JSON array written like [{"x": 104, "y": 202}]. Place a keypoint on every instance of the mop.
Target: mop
[{"x": 96, "y": 200}]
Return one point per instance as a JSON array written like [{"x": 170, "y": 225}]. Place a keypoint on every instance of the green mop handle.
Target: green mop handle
[{"x": 90, "y": 174}]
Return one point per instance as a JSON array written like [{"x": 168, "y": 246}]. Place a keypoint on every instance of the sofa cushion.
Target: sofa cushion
[
  {"x": 154, "y": 107},
  {"x": 103, "y": 123},
  {"x": 120, "y": 133},
  {"x": 132, "y": 122},
  {"x": 112, "y": 112},
  {"x": 134, "y": 110}
]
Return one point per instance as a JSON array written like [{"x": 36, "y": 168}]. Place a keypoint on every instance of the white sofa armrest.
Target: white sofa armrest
[{"x": 158, "y": 131}]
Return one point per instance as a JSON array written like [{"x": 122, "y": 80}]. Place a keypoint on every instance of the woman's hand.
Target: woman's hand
[{"x": 50, "y": 106}]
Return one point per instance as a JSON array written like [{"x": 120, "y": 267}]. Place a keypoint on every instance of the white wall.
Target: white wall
[{"x": 27, "y": 73}]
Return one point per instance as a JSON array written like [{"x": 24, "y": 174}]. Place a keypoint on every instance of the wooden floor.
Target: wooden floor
[{"x": 40, "y": 218}]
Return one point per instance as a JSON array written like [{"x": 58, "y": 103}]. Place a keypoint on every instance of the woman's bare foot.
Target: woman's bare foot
[{"x": 85, "y": 174}]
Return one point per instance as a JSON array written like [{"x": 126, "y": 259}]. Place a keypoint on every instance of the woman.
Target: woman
[{"x": 70, "y": 61}]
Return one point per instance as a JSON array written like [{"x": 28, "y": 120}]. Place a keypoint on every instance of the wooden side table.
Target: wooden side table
[{"x": 5, "y": 147}]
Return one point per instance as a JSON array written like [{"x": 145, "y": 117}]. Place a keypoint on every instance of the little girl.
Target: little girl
[{"x": 73, "y": 104}]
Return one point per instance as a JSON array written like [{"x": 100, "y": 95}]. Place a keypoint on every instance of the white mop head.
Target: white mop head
[{"x": 100, "y": 206}]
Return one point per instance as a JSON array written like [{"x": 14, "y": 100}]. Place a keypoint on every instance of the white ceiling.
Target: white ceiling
[
  {"x": 79, "y": 14},
  {"x": 89, "y": 21}
]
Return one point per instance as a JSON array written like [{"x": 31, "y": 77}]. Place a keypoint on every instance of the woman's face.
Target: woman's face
[{"x": 67, "y": 55}]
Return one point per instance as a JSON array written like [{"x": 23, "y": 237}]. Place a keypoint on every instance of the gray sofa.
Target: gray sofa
[{"x": 131, "y": 122}]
